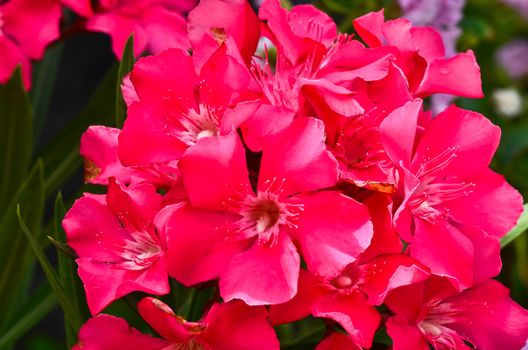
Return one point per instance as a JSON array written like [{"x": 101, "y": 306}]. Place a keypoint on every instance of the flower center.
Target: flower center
[
  {"x": 140, "y": 251},
  {"x": 348, "y": 279},
  {"x": 195, "y": 125},
  {"x": 435, "y": 326},
  {"x": 265, "y": 213},
  {"x": 434, "y": 189}
]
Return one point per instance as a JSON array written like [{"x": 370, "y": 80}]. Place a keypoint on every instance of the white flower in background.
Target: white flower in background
[{"x": 508, "y": 102}]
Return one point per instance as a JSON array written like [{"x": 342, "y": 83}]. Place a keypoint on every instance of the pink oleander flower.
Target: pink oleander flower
[
  {"x": 119, "y": 249},
  {"x": 231, "y": 23},
  {"x": 443, "y": 15},
  {"x": 421, "y": 56},
  {"x": 433, "y": 313},
  {"x": 247, "y": 237},
  {"x": 452, "y": 204},
  {"x": 156, "y": 24},
  {"x": 314, "y": 70},
  {"x": 99, "y": 145},
  {"x": 226, "y": 326},
  {"x": 348, "y": 297},
  {"x": 27, "y": 27},
  {"x": 175, "y": 107}
]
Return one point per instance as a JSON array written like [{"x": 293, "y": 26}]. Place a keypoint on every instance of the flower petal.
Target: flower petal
[
  {"x": 237, "y": 326},
  {"x": 263, "y": 275},
  {"x": 197, "y": 245},
  {"x": 299, "y": 156},
  {"x": 333, "y": 231}
]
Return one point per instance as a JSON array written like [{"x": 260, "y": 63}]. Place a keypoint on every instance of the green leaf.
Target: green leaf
[
  {"x": 127, "y": 62},
  {"x": 68, "y": 271},
  {"x": 16, "y": 259},
  {"x": 71, "y": 314},
  {"x": 521, "y": 226},
  {"x": 61, "y": 156},
  {"x": 43, "y": 83},
  {"x": 39, "y": 305},
  {"x": 16, "y": 130}
]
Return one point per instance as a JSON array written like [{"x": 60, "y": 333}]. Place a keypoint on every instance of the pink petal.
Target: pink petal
[
  {"x": 119, "y": 27},
  {"x": 385, "y": 240},
  {"x": 165, "y": 29},
  {"x": 306, "y": 21},
  {"x": 194, "y": 258},
  {"x": 219, "y": 162},
  {"x": 234, "y": 118},
  {"x": 337, "y": 98},
  {"x": 497, "y": 322},
  {"x": 223, "y": 80},
  {"x": 407, "y": 301},
  {"x": 34, "y": 24},
  {"x": 262, "y": 275},
  {"x": 161, "y": 86},
  {"x": 157, "y": 145},
  {"x": 369, "y": 27},
  {"x": 486, "y": 255},
  {"x": 105, "y": 283},
  {"x": 428, "y": 42},
  {"x": 289, "y": 44},
  {"x": 12, "y": 56},
  {"x": 160, "y": 317},
  {"x": 333, "y": 231},
  {"x": 353, "y": 313},
  {"x": 444, "y": 250},
  {"x": 81, "y": 7},
  {"x": 492, "y": 205},
  {"x": 443, "y": 76},
  {"x": 298, "y": 154},
  {"x": 237, "y": 326},
  {"x": 338, "y": 341},
  {"x": 398, "y": 132},
  {"x": 397, "y": 33},
  {"x": 405, "y": 336},
  {"x": 309, "y": 291},
  {"x": 472, "y": 135},
  {"x": 129, "y": 91},
  {"x": 389, "y": 272},
  {"x": 135, "y": 206},
  {"x": 99, "y": 148},
  {"x": 90, "y": 226},
  {"x": 353, "y": 60},
  {"x": 265, "y": 121},
  {"x": 105, "y": 332},
  {"x": 225, "y": 19}
]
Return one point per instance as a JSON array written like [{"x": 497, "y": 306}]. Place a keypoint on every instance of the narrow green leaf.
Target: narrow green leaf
[
  {"x": 61, "y": 156},
  {"x": 315, "y": 334},
  {"x": 72, "y": 315},
  {"x": 16, "y": 130},
  {"x": 16, "y": 259},
  {"x": 43, "y": 83},
  {"x": 127, "y": 62},
  {"x": 68, "y": 270},
  {"x": 521, "y": 226},
  {"x": 41, "y": 304},
  {"x": 198, "y": 301}
]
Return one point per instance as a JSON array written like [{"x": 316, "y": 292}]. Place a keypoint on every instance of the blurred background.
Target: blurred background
[{"x": 497, "y": 30}]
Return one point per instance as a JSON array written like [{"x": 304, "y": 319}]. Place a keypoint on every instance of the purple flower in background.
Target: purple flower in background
[
  {"x": 444, "y": 15},
  {"x": 519, "y": 5},
  {"x": 512, "y": 58}
]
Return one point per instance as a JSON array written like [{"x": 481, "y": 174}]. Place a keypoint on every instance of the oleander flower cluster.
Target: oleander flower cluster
[
  {"x": 316, "y": 183},
  {"x": 28, "y": 27}
]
